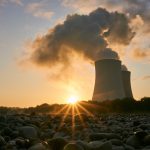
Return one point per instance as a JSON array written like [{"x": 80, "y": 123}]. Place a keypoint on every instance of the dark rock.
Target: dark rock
[
  {"x": 38, "y": 146},
  {"x": 136, "y": 123},
  {"x": 106, "y": 146},
  {"x": 99, "y": 136},
  {"x": 73, "y": 146},
  {"x": 118, "y": 148},
  {"x": 2, "y": 141},
  {"x": 57, "y": 143},
  {"x": 94, "y": 145},
  {"x": 83, "y": 144},
  {"x": 7, "y": 138},
  {"x": 140, "y": 134},
  {"x": 99, "y": 145},
  {"x": 28, "y": 132},
  {"x": 128, "y": 147},
  {"x": 147, "y": 140},
  {"x": 20, "y": 143},
  {"x": 116, "y": 142},
  {"x": 133, "y": 141},
  {"x": 2, "y": 119},
  {"x": 7, "y": 131}
]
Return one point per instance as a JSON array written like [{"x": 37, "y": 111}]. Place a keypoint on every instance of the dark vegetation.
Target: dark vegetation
[{"x": 126, "y": 105}]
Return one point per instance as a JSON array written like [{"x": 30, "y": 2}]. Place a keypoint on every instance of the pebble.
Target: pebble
[
  {"x": 99, "y": 136},
  {"x": 28, "y": 132},
  {"x": 57, "y": 143},
  {"x": 73, "y": 146},
  {"x": 2, "y": 141},
  {"x": 38, "y": 146},
  {"x": 147, "y": 139},
  {"x": 103, "y": 132},
  {"x": 133, "y": 141}
]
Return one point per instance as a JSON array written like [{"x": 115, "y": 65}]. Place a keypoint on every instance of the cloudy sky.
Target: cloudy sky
[{"x": 46, "y": 53}]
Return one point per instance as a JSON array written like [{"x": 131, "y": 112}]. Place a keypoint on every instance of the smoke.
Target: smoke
[
  {"x": 139, "y": 7},
  {"x": 137, "y": 11},
  {"x": 85, "y": 35},
  {"x": 124, "y": 68},
  {"x": 107, "y": 53}
]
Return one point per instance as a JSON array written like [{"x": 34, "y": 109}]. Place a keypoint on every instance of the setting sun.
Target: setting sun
[{"x": 72, "y": 100}]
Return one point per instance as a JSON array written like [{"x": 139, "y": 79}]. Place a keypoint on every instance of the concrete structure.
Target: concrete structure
[
  {"x": 126, "y": 83},
  {"x": 111, "y": 82},
  {"x": 108, "y": 81}
]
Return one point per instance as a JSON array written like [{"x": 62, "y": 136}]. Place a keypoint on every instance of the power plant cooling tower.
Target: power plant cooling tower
[
  {"x": 126, "y": 83},
  {"x": 112, "y": 80},
  {"x": 108, "y": 81}
]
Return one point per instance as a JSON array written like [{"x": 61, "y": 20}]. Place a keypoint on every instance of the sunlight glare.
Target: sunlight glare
[{"x": 72, "y": 100}]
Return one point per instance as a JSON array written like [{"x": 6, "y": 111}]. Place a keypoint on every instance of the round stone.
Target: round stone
[
  {"x": 99, "y": 145},
  {"x": 140, "y": 134},
  {"x": 57, "y": 143},
  {"x": 73, "y": 146},
  {"x": 28, "y": 132},
  {"x": 133, "y": 141},
  {"x": 38, "y": 146},
  {"x": 147, "y": 140},
  {"x": 2, "y": 141}
]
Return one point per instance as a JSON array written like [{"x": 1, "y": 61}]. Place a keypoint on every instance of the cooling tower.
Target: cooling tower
[
  {"x": 127, "y": 84},
  {"x": 108, "y": 81}
]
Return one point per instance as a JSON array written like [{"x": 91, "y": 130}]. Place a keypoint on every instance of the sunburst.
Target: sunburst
[
  {"x": 73, "y": 108},
  {"x": 72, "y": 100}
]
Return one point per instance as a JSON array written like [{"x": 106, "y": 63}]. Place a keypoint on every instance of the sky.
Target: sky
[{"x": 29, "y": 26}]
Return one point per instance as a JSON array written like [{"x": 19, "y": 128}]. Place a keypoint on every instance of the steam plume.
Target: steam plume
[
  {"x": 86, "y": 35},
  {"x": 107, "y": 53},
  {"x": 124, "y": 68}
]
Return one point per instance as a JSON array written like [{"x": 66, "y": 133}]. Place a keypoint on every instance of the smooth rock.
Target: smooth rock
[
  {"x": 94, "y": 144},
  {"x": 147, "y": 140},
  {"x": 2, "y": 141},
  {"x": 28, "y": 132},
  {"x": 57, "y": 143},
  {"x": 146, "y": 148},
  {"x": 7, "y": 131},
  {"x": 99, "y": 145},
  {"x": 140, "y": 134},
  {"x": 106, "y": 146},
  {"x": 20, "y": 142},
  {"x": 99, "y": 136},
  {"x": 73, "y": 146},
  {"x": 83, "y": 144},
  {"x": 38, "y": 146},
  {"x": 128, "y": 147},
  {"x": 133, "y": 141},
  {"x": 118, "y": 148},
  {"x": 116, "y": 142},
  {"x": 136, "y": 123}
]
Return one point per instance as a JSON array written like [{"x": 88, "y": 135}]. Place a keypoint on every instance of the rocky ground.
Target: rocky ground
[{"x": 101, "y": 132}]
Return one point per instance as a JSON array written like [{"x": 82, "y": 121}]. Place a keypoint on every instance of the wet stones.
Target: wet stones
[{"x": 101, "y": 132}]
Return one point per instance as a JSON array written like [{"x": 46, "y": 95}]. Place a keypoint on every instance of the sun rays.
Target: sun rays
[{"x": 73, "y": 110}]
